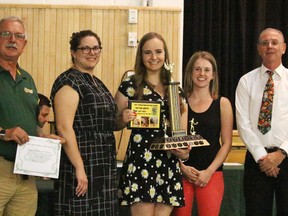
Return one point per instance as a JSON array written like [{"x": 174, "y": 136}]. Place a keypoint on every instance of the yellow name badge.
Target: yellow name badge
[
  {"x": 29, "y": 91},
  {"x": 148, "y": 114}
]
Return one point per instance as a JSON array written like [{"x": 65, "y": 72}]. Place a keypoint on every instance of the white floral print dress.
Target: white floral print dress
[{"x": 149, "y": 176}]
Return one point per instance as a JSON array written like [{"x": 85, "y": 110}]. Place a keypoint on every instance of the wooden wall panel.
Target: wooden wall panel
[{"x": 49, "y": 28}]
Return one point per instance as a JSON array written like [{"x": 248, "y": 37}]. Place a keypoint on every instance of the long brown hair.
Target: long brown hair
[
  {"x": 188, "y": 83},
  {"x": 140, "y": 69}
]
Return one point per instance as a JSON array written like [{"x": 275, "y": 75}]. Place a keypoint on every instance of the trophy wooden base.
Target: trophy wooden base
[{"x": 168, "y": 143}]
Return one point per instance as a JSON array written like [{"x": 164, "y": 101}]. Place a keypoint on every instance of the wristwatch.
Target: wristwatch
[
  {"x": 2, "y": 134},
  {"x": 184, "y": 160},
  {"x": 283, "y": 152}
]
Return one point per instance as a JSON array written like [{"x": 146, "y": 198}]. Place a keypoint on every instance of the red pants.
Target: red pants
[{"x": 208, "y": 198}]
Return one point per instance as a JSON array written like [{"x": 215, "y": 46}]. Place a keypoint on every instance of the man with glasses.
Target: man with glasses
[
  {"x": 262, "y": 116},
  {"x": 18, "y": 119}
]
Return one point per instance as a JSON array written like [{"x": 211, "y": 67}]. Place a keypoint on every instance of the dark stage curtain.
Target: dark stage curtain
[{"x": 229, "y": 29}]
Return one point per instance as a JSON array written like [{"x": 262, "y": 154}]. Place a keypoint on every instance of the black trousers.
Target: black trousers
[{"x": 259, "y": 189}]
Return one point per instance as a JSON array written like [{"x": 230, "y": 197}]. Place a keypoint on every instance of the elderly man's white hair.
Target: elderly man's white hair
[{"x": 13, "y": 18}]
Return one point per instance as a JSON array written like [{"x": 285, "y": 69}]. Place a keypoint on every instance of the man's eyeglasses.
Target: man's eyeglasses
[
  {"x": 7, "y": 34},
  {"x": 87, "y": 50},
  {"x": 267, "y": 43}
]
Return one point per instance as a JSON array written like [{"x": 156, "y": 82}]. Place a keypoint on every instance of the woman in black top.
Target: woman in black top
[
  {"x": 85, "y": 116},
  {"x": 210, "y": 116}
]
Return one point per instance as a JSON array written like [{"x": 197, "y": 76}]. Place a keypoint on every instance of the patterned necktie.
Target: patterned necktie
[{"x": 265, "y": 115}]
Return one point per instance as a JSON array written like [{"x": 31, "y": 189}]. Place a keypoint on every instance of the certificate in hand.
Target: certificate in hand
[{"x": 38, "y": 157}]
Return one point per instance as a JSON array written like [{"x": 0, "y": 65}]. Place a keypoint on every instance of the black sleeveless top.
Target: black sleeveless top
[{"x": 208, "y": 125}]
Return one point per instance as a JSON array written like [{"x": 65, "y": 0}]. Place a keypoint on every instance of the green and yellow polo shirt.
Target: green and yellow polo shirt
[{"x": 18, "y": 107}]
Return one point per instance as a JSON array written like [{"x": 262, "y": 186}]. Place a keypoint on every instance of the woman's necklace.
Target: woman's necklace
[
  {"x": 93, "y": 80},
  {"x": 92, "y": 77},
  {"x": 199, "y": 105},
  {"x": 159, "y": 88}
]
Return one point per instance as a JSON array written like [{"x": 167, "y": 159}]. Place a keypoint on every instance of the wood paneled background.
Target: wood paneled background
[{"x": 49, "y": 28}]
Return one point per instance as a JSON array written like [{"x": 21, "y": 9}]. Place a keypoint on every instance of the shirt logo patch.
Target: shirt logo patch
[{"x": 29, "y": 91}]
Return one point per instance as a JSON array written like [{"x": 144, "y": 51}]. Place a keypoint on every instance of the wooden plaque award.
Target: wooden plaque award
[{"x": 179, "y": 138}]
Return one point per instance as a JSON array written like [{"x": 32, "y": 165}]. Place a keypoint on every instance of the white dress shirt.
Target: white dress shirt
[{"x": 248, "y": 98}]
